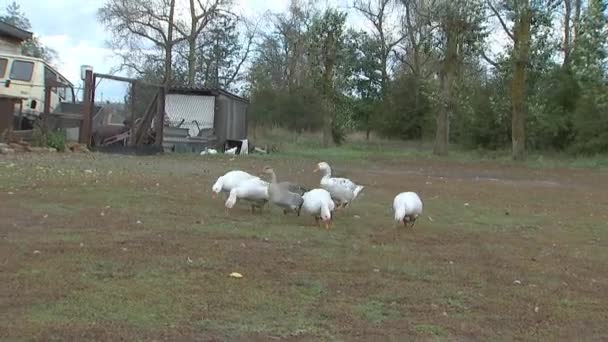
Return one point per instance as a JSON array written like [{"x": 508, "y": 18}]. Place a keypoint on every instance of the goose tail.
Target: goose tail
[{"x": 358, "y": 189}]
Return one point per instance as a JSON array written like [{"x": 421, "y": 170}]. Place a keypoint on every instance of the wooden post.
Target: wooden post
[
  {"x": 132, "y": 118},
  {"x": 87, "y": 101},
  {"x": 160, "y": 117},
  {"x": 45, "y": 111}
]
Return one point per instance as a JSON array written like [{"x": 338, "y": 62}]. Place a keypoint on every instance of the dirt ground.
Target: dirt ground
[{"x": 133, "y": 248}]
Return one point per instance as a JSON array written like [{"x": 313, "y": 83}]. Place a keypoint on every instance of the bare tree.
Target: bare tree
[
  {"x": 377, "y": 13},
  {"x": 142, "y": 28},
  {"x": 201, "y": 14}
]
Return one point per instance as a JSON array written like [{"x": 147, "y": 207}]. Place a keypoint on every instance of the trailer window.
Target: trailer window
[
  {"x": 3, "y": 64},
  {"x": 22, "y": 71}
]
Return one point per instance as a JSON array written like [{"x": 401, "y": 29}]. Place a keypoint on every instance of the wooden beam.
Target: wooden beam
[
  {"x": 126, "y": 79},
  {"x": 87, "y": 98}
]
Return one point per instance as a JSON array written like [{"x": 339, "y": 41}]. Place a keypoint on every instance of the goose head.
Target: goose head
[
  {"x": 217, "y": 187},
  {"x": 323, "y": 167},
  {"x": 268, "y": 170}
]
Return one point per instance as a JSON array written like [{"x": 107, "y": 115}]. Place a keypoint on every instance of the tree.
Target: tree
[
  {"x": 326, "y": 42},
  {"x": 223, "y": 48},
  {"x": 377, "y": 13},
  {"x": 368, "y": 84},
  {"x": 32, "y": 47},
  {"x": 200, "y": 17},
  {"x": 522, "y": 13},
  {"x": 460, "y": 31},
  {"x": 590, "y": 66},
  {"x": 143, "y": 28}
]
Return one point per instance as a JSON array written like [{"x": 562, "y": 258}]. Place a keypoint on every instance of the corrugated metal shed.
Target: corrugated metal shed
[
  {"x": 226, "y": 114},
  {"x": 192, "y": 109},
  {"x": 231, "y": 121}
]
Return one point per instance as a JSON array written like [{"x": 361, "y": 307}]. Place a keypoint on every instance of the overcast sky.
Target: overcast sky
[{"x": 72, "y": 29}]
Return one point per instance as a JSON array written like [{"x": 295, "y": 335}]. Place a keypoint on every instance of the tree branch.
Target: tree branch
[
  {"x": 489, "y": 60},
  {"x": 502, "y": 22}
]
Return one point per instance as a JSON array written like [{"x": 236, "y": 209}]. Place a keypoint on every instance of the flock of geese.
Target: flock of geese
[{"x": 334, "y": 193}]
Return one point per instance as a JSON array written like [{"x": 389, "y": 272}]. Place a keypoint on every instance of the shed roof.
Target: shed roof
[
  {"x": 184, "y": 90},
  {"x": 9, "y": 30}
]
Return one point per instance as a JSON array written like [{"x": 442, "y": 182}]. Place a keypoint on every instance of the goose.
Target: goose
[
  {"x": 252, "y": 190},
  {"x": 318, "y": 202},
  {"x": 407, "y": 207},
  {"x": 284, "y": 194},
  {"x": 342, "y": 190},
  {"x": 229, "y": 181}
]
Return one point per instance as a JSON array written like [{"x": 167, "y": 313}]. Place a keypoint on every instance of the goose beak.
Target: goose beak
[
  {"x": 316, "y": 169},
  {"x": 327, "y": 224},
  {"x": 214, "y": 195}
]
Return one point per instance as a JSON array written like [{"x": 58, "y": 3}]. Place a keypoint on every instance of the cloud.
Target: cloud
[{"x": 74, "y": 53}]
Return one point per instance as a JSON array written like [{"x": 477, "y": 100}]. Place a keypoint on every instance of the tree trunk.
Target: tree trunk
[
  {"x": 442, "y": 135},
  {"x": 169, "y": 48},
  {"x": 576, "y": 22},
  {"x": 567, "y": 46},
  {"x": 328, "y": 75},
  {"x": 521, "y": 50},
  {"x": 443, "y": 117},
  {"x": 327, "y": 120},
  {"x": 192, "y": 45}
]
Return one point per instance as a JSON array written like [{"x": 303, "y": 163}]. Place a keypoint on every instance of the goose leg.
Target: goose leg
[{"x": 318, "y": 224}]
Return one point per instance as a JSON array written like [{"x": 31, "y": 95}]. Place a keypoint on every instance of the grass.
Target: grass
[
  {"x": 136, "y": 249},
  {"x": 308, "y": 145}
]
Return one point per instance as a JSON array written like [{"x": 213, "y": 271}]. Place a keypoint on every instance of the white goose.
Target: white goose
[
  {"x": 252, "y": 190},
  {"x": 407, "y": 207},
  {"x": 342, "y": 190},
  {"x": 229, "y": 181},
  {"x": 318, "y": 202}
]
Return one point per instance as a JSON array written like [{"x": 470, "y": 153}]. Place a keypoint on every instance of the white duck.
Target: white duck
[
  {"x": 407, "y": 207},
  {"x": 253, "y": 190},
  {"x": 318, "y": 202},
  {"x": 342, "y": 190},
  {"x": 229, "y": 181}
]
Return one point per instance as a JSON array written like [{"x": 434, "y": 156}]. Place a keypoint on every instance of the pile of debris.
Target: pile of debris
[
  {"x": 13, "y": 144},
  {"x": 21, "y": 147}
]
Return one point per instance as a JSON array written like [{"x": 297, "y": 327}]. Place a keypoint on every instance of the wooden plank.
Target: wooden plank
[{"x": 146, "y": 121}]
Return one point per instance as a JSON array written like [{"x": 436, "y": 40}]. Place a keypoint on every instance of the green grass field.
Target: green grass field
[{"x": 107, "y": 247}]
